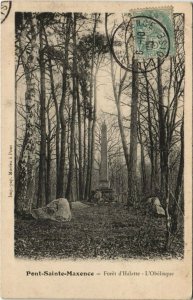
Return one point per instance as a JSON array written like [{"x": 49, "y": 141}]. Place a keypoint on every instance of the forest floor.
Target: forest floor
[{"x": 97, "y": 232}]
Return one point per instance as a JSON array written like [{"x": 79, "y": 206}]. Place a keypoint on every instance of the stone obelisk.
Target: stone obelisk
[{"x": 104, "y": 178}]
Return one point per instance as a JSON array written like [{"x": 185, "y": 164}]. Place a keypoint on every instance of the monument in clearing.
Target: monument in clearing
[{"x": 104, "y": 184}]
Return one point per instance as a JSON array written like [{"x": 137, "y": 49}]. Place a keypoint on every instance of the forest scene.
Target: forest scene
[{"x": 99, "y": 138}]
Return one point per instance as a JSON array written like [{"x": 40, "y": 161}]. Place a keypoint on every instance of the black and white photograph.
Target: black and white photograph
[
  {"x": 96, "y": 164},
  {"x": 99, "y": 135}
]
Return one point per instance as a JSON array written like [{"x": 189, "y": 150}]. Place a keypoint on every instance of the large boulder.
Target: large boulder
[
  {"x": 57, "y": 210},
  {"x": 153, "y": 201},
  {"x": 158, "y": 210},
  {"x": 154, "y": 206},
  {"x": 156, "y": 201}
]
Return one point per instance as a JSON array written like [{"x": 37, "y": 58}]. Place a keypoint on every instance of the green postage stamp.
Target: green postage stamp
[{"x": 153, "y": 32}]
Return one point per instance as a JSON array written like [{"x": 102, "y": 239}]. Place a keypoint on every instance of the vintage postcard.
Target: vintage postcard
[{"x": 96, "y": 143}]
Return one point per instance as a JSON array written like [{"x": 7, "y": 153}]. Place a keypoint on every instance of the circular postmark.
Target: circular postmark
[
  {"x": 5, "y": 10},
  {"x": 142, "y": 38}
]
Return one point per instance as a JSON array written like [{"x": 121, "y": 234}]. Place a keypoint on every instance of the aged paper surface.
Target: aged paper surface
[{"x": 30, "y": 272}]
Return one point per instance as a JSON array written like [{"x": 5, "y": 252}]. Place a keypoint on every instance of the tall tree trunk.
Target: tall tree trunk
[
  {"x": 57, "y": 118},
  {"x": 93, "y": 128},
  {"x": 84, "y": 155},
  {"x": 132, "y": 172},
  {"x": 152, "y": 148},
  {"x": 48, "y": 179},
  {"x": 164, "y": 152},
  {"x": 87, "y": 185},
  {"x": 80, "y": 176},
  {"x": 42, "y": 164},
  {"x": 61, "y": 188},
  {"x": 143, "y": 167},
  {"x": 120, "y": 118},
  {"x": 26, "y": 165},
  {"x": 90, "y": 118},
  {"x": 176, "y": 205},
  {"x": 72, "y": 126},
  {"x": 76, "y": 173}
]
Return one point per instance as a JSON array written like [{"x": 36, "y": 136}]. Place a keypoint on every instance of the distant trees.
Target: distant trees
[
  {"x": 162, "y": 118},
  {"x": 63, "y": 76},
  {"x": 155, "y": 121},
  {"x": 120, "y": 86}
]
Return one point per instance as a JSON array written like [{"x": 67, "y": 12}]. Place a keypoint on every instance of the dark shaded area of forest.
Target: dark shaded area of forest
[{"x": 102, "y": 232}]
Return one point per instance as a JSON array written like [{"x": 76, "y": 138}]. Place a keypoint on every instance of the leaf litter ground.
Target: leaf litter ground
[{"x": 97, "y": 232}]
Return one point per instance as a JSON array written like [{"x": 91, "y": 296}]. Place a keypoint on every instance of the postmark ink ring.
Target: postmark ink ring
[
  {"x": 151, "y": 41},
  {"x": 5, "y": 10}
]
